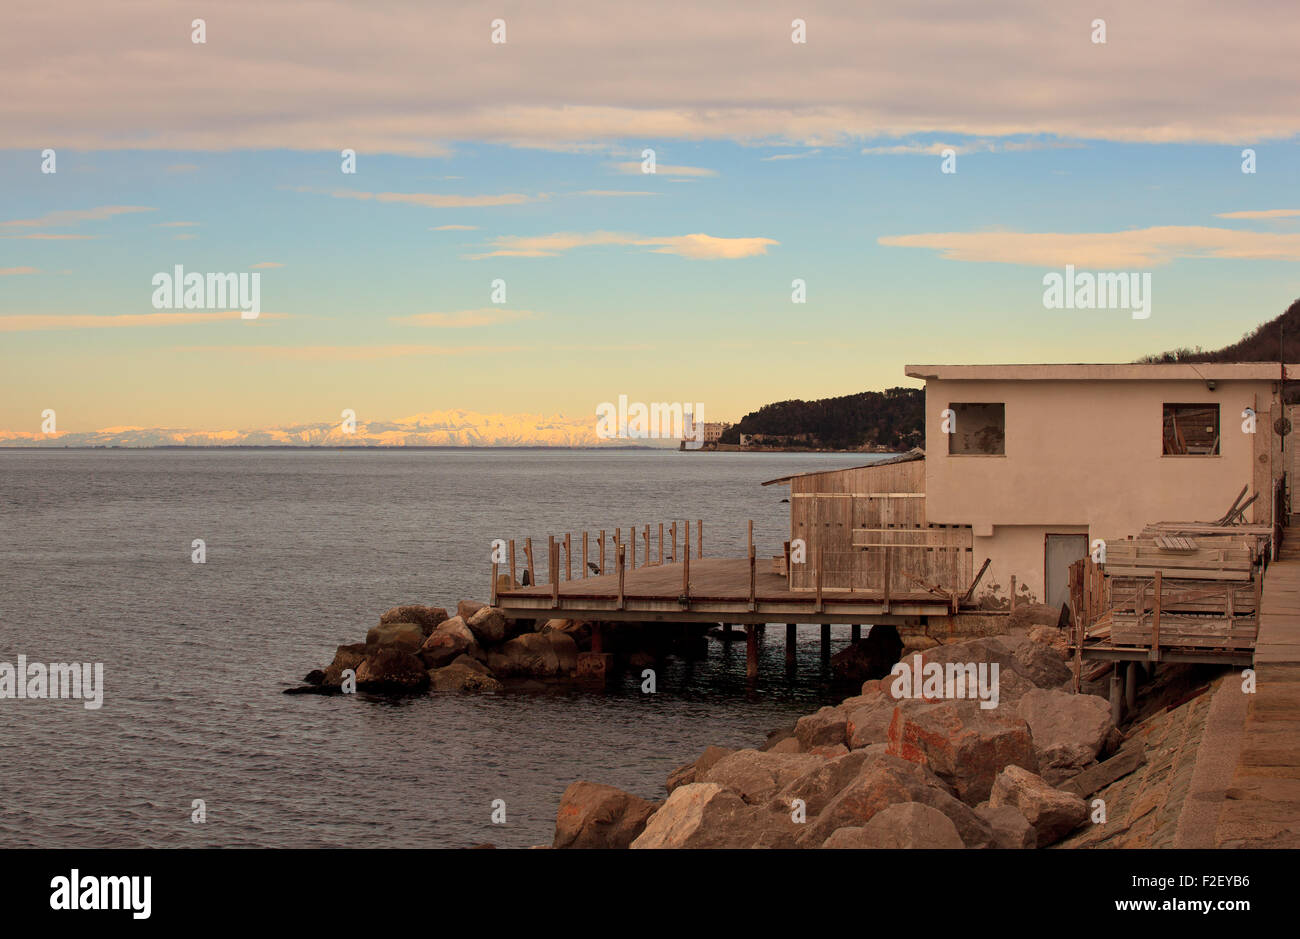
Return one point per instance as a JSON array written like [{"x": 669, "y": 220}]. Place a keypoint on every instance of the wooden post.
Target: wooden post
[
  {"x": 751, "y": 652},
  {"x": 602, "y": 550},
  {"x": 855, "y": 632},
  {"x": 555, "y": 573},
  {"x": 749, "y": 539},
  {"x": 552, "y": 571},
  {"x": 632, "y": 542},
  {"x": 820, "y": 558},
  {"x": 826, "y": 642},
  {"x": 1154, "y": 655},
  {"x": 789, "y": 645},
  {"x": 674, "y": 532},
  {"x": 686, "y": 562},
  {"x": 584, "y": 553},
  {"x": 493, "y": 600},
  {"x": 618, "y": 537},
  {"x": 661, "y": 542},
  {"x": 647, "y": 544},
  {"x": 568, "y": 557},
  {"x": 621, "y": 572},
  {"x": 514, "y": 581},
  {"x": 753, "y": 580},
  {"x": 597, "y": 638},
  {"x": 528, "y": 556},
  {"x": 699, "y": 537}
]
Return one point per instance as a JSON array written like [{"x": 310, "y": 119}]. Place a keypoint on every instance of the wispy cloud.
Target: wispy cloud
[
  {"x": 978, "y": 145},
  {"x": 34, "y": 322},
  {"x": 46, "y": 236},
  {"x": 11, "y": 271},
  {"x": 792, "y": 156},
  {"x": 433, "y": 200},
  {"x": 614, "y": 193},
  {"x": 1143, "y": 247},
  {"x": 664, "y": 169},
  {"x": 455, "y": 228},
  {"x": 486, "y": 316},
  {"x": 1261, "y": 214},
  {"x": 264, "y": 264},
  {"x": 65, "y": 217},
  {"x": 350, "y": 353},
  {"x": 695, "y": 246},
  {"x": 177, "y": 224}
]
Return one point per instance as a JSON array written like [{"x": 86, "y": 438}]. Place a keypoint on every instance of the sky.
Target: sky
[{"x": 481, "y": 162}]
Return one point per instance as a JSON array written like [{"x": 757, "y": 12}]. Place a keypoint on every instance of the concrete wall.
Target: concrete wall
[{"x": 1086, "y": 457}]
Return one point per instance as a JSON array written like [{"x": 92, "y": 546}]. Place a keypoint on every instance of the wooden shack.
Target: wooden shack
[{"x": 864, "y": 528}]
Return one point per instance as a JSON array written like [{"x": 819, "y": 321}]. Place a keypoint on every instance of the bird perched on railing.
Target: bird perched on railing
[{"x": 591, "y": 566}]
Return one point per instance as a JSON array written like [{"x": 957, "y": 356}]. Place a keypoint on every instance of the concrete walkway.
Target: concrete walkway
[{"x": 1261, "y": 808}]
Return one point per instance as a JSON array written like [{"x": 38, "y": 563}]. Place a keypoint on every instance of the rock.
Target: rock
[
  {"x": 449, "y": 639},
  {"x": 535, "y": 655},
  {"x": 821, "y": 783},
  {"x": 903, "y": 825},
  {"x": 426, "y": 617},
  {"x": 1033, "y": 614},
  {"x": 1095, "y": 778},
  {"x": 1069, "y": 730},
  {"x": 1052, "y": 637},
  {"x": 869, "y": 723},
  {"x": 787, "y": 745},
  {"x": 684, "y": 775},
  {"x": 471, "y": 663},
  {"x": 489, "y": 626},
  {"x": 1052, "y": 813},
  {"x": 460, "y": 677},
  {"x": 349, "y": 656},
  {"x": 1011, "y": 830},
  {"x": 827, "y": 727},
  {"x": 757, "y": 776},
  {"x": 707, "y": 815},
  {"x": 1022, "y": 664},
  {"x": 1041, "y": 664},
  {"x": 596, "y": 816},
  {"x": 406, "y": 636},
  {"x": 883, "y": 781},
  {"x": 871, "y": 657},
  {"x": 775, "y": 737},
  {"x": 465, "y": 609},
  {"x": 391, "y": 669},
  {"x": 315, "y": 677},
  {"x": 963, "y": 744}
]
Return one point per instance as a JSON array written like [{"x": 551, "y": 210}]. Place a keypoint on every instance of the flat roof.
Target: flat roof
[
  {"x": 916, "y": 453},
  {"x": 1131, "y": 371}
]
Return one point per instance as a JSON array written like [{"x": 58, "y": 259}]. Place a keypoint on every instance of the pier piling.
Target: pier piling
[{"x": 751, "y": 652}]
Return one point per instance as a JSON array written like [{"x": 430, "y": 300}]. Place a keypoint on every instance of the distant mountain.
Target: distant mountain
[
  {"x": 455, "y": 428},
  {"x": 893, "y": 418}
]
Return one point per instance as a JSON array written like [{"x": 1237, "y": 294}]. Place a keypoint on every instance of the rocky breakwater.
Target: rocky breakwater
[
  {"x": 416, "y": 649},
  {"x": 915, "y": 766}
]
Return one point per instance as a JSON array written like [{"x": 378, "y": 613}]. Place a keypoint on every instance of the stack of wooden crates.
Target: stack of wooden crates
[{"x": 1197, "y": 591}]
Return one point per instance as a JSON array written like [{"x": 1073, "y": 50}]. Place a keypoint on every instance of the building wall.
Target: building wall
[{"x": 1086, "y": 456}]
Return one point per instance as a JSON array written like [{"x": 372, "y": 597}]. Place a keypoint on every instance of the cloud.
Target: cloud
[
  {"x": 264, "y": 264},
  {"x": 614, "y": 192},
  {"x": 1144, "y": 247},
  {"x": 350, "y": 353},
  {"x": 1262, "y": 213},
  {"x": 664, "y": 169},
  {"x": 977, "y": 145},
  {"x": 433, "y": 200},
  {"x": 11, "y": 271},
  {"x": 178, "y": 224},
  {"x": 34, "y": 322},
  {"x": 78, "y": 80},
  {"x": 792, "y": 156},
  {"x": 455, "y": 228},
  {"x": 487, "y": 316},
  {"x": 695, "y": 246},
  {"x": 185, "y": 237},
  {"x": 67, "y": 217},
  {"x": 46, "y": 236}
]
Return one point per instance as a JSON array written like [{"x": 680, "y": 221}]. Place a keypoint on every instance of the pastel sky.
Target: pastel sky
[{"x": 522, "y": 161}]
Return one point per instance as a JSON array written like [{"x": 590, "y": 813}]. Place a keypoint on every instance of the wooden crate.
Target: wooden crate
[{"x": 1225, "y": 559}]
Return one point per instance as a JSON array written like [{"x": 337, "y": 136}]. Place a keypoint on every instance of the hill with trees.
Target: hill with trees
[{"x": 894, "y": 418}]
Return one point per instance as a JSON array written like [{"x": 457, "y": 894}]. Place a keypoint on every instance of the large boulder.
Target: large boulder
[
  {"x": 963, "y": 744},
  {"x": 489, "y": 626},
  {"x": 883, "y": 781},
  {"x": 450, "y": 639},
  {"x": 462, "y": 677},
  {"x": 391, "y": 669},
  {"x": 349, "y": 656},
  {"x": 535, "y": 655},
  {"x": 1011, "y": 830},
  {"x": 1033, "y": 614},
  {"x": 1055, "y": 639},
  {"x": 685, "y": 775},
  {"x": 756, "y": 776},
  {"x": 426, "y": 617},
  {"x": 1022, "y": 663},
  {"x": 596, "y": 816},
  {"x": 1052, "y": 813},
  {"x": 825, "y": 728},
  {"x": 822, "y": 783},
  {"x": 707, "y": 815},
  {"x": 905, "y": 825},
  {"x": 406, "y": 636},
  {"x": 465, "y": 609},
  {"x": 870, "y": 657},
  {"x": 1069, "y": 730},
  {"x": 869, "y": 717}
]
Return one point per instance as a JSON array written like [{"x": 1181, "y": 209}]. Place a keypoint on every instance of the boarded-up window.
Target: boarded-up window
[
  {"x": 1191, "y": 430},
  {"x": 978, "y": 428}
]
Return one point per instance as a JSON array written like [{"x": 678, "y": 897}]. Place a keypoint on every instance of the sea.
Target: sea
[{"x": 196, "y": 745}]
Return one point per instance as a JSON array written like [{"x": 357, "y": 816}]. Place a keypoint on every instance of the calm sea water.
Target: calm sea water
[{"x": 304, "y": 551}]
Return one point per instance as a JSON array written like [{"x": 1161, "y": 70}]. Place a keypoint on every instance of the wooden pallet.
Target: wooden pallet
[{"x": 1232, "y": 560}]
